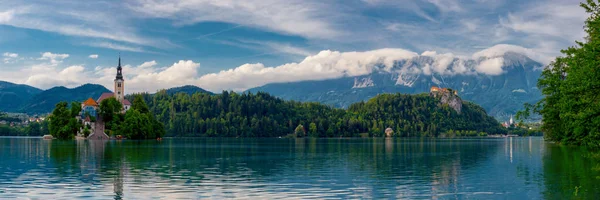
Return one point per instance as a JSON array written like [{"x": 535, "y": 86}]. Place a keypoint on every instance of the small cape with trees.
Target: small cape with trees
[{"x": 570, "y": 84}]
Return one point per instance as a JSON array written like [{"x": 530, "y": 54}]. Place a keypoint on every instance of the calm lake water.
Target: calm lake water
[{"x": 502, "y": 168}]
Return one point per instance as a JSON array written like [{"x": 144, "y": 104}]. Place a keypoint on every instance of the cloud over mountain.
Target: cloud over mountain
[
  {"x": 327, "y": 64},
  {"x": 333, "y": 64}
]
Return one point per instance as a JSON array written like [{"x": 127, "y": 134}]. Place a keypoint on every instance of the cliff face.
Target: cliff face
[{"x": 452, "y": 100}]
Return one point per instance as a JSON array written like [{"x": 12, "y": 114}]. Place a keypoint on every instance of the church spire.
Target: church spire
[{"x": 119, "y": 70}]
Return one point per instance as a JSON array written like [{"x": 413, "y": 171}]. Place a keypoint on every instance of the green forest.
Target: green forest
[
  {"x": 231, "y": 114},
  {"x": 570, "y": 108}
]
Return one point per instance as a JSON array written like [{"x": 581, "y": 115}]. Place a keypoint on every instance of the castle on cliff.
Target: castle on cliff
[{"x": 437, "y": 90}]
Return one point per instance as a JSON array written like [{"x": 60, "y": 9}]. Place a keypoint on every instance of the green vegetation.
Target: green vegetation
[
  {"x": 136, "y": 123},
  {"x": 570, "y": 108},
  {"x": 262, "y": 115},
  {"x": 63, "y": 124},
  {"x": 139, "y": 123},
  {"x": 110, "y": 109},
  {"x": 13, "y": 96},
  {"x": 32, "y": 129},
  {"x": 8, "y": 119}
]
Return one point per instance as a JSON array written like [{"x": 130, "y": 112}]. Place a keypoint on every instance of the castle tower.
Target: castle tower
[{"x": 119, "y": 83}]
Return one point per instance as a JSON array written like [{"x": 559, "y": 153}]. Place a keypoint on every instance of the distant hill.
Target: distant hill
[
  {"x": 13, "y": 96},
  {"x": 188, "y": 89},
  {"x": 45, "y": 101},
  {"x": 31, "y": 100}
]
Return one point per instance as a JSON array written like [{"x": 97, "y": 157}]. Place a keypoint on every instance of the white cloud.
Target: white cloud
[
  {"x": 333, "y": 64},
  {"x": 447, "y": 5},
  {"x": 491, "y": 66},
  {"x": 79, "y": 19},
  {"x": 296, "y": 17},
  {"x": 470, "y": 25},
  {"x": 324, "y": 65},
  {"x": 6, "y": 16},
  {"x": 148, "y": 64},
  {"x": 501, "y": 49},
  {"x": 10, "y": 55},
  {"x": 53, "y": 58},
  {"x": 110, "y": 45},
  {"x": 268, "y": 47},
  {"x": 93, "y": 56},
  {"x": 561, "y": 19},
  {"x": 146, "y": 78},
  {"x": 47, "y": 76}
]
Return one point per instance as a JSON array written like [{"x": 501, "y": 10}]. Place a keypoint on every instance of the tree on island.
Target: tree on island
[
  {"x": 139, "y": 123},
  {"x": 63, "y": 125},
  {"x": 110, "y": 108},
  {"x": 570, "y": 108}
]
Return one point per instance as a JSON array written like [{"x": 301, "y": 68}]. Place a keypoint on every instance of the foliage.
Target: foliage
[
  {"x": 8, "y": 119},
  {"x": 299, "y": 131},
  {"x": 109, "y": 111},
  {"x": 86, "y": 132},
  {"x": 139, "y": 123},
  {"x": 75, "y": 109},
  {"x": 261, "y": 115},
  {"x": 140, "y": 105},
  {"x": 33, "y": 129},
  {"x": 62, "y": 124},
  {"x": 570, "y": 108}
]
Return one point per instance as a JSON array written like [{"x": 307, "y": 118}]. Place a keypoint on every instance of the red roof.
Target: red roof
[
  {"x": 90, "y": 102},
  {"x": 126, "y": 102},
  {"x": 105, "y": 96}
]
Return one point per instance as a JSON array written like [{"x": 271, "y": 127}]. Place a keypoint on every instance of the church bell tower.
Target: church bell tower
[{"x": 119, "y": 83}]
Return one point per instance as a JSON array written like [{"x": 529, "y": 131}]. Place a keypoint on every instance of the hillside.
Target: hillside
[
  {"x": 501, "y": 95},
  {"x": 45, "y": 101},
  {"x": 28, "y": 99},
  {"x": 263, "y": 115},
  {"x": 12, "y": 96},
  {"x": 188, "y": 89}
]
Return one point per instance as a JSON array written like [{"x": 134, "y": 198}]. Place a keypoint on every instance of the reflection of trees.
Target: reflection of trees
[
  {"x": 193, "y": 162},
  {"x": 567, "y": 169}
]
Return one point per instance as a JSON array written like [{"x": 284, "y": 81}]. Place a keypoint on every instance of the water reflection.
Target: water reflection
[{"x": 519, "y": 168}]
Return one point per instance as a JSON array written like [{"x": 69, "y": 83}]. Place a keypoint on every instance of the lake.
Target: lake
[{"x": 193, "y": 168}]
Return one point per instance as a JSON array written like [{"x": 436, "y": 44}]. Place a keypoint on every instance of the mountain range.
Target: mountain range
[
  {"x": 27, "y": 99},
  {"x": 500, "y": 95}
]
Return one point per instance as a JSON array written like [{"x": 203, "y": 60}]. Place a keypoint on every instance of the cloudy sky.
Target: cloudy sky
[{"x": 236, "y": 45}]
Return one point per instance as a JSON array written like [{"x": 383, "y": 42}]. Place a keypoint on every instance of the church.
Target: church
[{"x": 90, "y": 106}]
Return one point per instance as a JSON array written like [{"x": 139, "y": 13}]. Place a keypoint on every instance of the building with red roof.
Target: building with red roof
[{"x": 90, "y": 106}]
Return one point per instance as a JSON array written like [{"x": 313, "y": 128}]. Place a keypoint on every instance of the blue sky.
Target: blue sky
[{"x": 236, "y": 45}]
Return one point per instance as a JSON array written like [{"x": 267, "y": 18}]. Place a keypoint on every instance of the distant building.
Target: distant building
[
  {"x": 90, "y": 106},
  {"x": 436, "y": 90}
]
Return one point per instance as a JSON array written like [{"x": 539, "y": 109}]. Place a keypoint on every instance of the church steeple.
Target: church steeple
[
  {"x": 120, "y": 83},
  {"x": 119, "y": 70}
]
